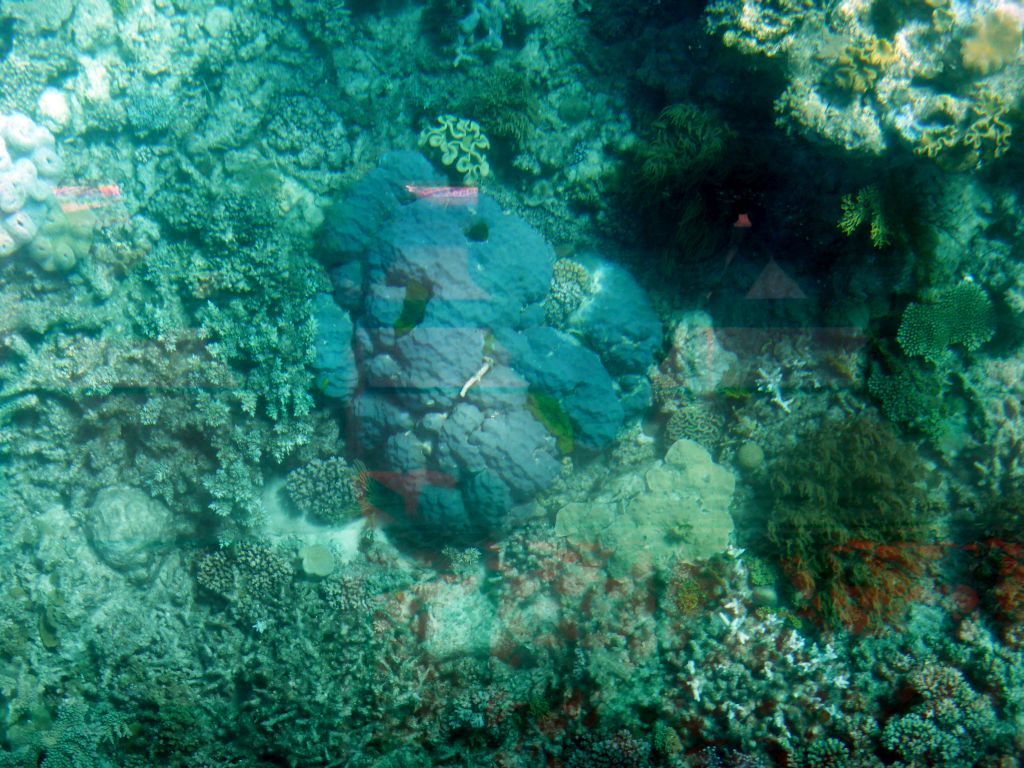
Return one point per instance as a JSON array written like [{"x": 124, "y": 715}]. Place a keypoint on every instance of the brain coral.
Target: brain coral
[{"x": 129, "y": 531}]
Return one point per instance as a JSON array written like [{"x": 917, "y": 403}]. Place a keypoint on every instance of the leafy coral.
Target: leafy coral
[
  {"x": 462, "y": 143},
  {"x": 868, "y": 207}
]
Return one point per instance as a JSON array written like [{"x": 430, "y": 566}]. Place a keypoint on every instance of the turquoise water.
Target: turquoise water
[{"x": 511, "y": 383}]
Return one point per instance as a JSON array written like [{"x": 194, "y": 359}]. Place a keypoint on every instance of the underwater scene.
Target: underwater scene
[{"x": 511, "y": 383}]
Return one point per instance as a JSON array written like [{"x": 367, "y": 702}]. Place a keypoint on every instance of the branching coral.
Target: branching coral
[
  {"x": 866, "y": 207},
  {"x": 329, "y": 489}
]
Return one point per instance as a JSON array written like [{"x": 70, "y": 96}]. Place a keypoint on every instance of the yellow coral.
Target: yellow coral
[
  {"x": 866, "y": 207},
  {"x": 461, "y": 142},
  {"x": 994, "y": 42},
  {"x": 861, "y": 64},
  {"x": 973, "y": 132},
  {"x": 989, "y": 135}
]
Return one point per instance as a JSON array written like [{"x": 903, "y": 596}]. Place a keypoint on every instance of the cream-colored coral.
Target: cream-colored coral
[
  {"x": 994, "y": 42},
  {"x": 461, "y": 142}
]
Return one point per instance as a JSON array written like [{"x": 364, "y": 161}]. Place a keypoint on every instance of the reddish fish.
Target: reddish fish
[{"x": 445, "y": 195}]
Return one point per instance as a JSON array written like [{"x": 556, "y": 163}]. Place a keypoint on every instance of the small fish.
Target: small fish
[
  {"x": 82, "y": 198},
  {"x": 445, "y": 195}
]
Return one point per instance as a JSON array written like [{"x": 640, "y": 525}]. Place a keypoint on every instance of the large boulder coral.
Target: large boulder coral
[
  {"x": 130, "y": 532},
  {"x": 466, "y": 398},
  {"x": 678, "y": 509}
]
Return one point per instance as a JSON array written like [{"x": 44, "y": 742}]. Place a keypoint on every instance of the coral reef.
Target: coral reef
[
  {"x": 861, "y": 74},
  {"x": 223, "y": 306}
]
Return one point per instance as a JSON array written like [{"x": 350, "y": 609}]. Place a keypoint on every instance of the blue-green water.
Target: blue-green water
[{"x": 511, "y": 383}]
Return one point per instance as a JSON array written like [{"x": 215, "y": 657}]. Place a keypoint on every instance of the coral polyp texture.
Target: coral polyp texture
[
  {"x": 462, "y": 144},
  {"x": 872, "y": 74},
  {"x": 29, "y": 170}
]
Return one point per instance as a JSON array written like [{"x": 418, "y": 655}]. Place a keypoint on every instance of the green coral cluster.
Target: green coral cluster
[
  {"x": 913, "y": 396},
  {"x": 686, "y": 143},
  {"x": 824, "y": 753},
  {"x": 844, "y": 488},
  {"x": 462, "y": 143},
  {"x": 866, "y": 207},
  {"x": 504, "y": 99},
  {"x": 962, "y": 316},
  {"x": 571, "y": 283},
  {"x": 949, "y": 725},
  {"x": 330, "y": 490},
  {"x": 918, "y": 390}
]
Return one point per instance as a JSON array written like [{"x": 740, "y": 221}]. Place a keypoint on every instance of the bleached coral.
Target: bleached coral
[
  {"x": 861, "y": 75},
  {"x": 29, "y": 168},
  {"x": 995, "y": 41}
]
